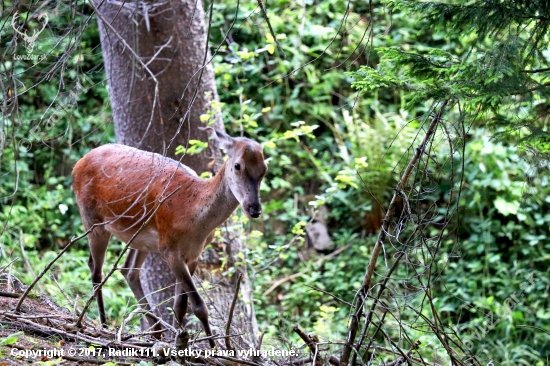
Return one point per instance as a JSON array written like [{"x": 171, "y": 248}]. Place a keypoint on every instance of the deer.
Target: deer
[{"x": 160, "y": 205}]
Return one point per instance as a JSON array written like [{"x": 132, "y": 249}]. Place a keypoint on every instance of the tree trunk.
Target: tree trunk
[{"x": 170, "y": 38}]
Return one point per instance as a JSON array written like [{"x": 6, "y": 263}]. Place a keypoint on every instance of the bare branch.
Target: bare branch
[
  {"x": 365, "y": 286},
  {"x": 233, "y": 303}
]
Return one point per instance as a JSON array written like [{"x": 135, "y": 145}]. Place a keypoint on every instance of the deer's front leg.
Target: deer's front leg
[
  {"x": 179, "y": 268},
  {"x": 185, "y": 287}
]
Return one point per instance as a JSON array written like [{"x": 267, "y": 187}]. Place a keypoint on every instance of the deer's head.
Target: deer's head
[{"x": 244, "y": 169}]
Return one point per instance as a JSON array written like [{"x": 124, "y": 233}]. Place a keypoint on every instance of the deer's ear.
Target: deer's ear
[{"x": 221, "y": 139}]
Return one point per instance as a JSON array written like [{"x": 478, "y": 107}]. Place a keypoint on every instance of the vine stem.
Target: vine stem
[{"x": 365, "y": 285}]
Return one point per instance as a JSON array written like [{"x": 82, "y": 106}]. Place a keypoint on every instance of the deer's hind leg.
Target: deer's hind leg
[
  {"x": 131, "y": 272},
  {"x": 98, "y": 240}
]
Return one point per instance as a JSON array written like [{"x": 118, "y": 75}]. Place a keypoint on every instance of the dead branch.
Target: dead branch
[
  {"x": 228, "y": 326},
  {"x": 402, "y": 360},
  {"x": 331, "y": 295},
  {"x": 302, "y": 361},
  {"x": 373, "y": 306},
  {"x": 312, "y": 345},
  {"x": 10, "y": 294},
  {"x": 365, "y": 286},
  {"x": 27, "y": 325},
  {"x": 311, "y": 342}
]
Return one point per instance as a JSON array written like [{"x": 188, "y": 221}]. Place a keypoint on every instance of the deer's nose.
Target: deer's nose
[{"x": 254, "y": 210}]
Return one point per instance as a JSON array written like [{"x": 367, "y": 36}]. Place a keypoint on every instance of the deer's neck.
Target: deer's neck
[{"x": 219, "y": 201}]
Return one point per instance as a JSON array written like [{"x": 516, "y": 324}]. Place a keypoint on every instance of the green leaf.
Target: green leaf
[
  {"x": 506, "y": 208},
  {"x": 9, "y": 340}
]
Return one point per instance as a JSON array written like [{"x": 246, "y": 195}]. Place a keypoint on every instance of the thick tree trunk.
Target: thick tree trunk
[{"x": 170, "y": 38}]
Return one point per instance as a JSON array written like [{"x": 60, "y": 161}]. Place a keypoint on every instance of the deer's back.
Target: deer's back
[{"x": 124, "y": 185}]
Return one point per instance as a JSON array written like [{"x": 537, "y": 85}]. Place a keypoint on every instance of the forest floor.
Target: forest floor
[{"x": 43, "y": 333}]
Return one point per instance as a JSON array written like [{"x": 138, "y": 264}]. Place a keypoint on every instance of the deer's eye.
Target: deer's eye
[{"x": 238, "y": 166}]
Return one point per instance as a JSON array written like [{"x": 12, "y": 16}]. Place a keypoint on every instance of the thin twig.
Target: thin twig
[
  {"x": 61, "y": 290},
  {"x": 26, "y": 324},
  {"x": 49, "y": 265},
  {"x": 24, "y": 254},
  {"x": 127, "y": 320},
  {"x": 264, "y": 13},
  {"x": 7, "y": 265},
  {"x": 530, "y": 326},
  {"x": 228, "y": 326},
  {"x": 317, "y": 262},
  {"x": 141, "y": 334},
  {"x": 405, "y": 358},
  {"x": 365, "y": 286},
  {"x": 331, "y": 295},
  {"x": 281, "y": 281},
  {"x": 535, "y": 88},
  {"x": 160, "y": 320},
  {"x": 375, "y": 303},
  {"x": 380, "y": 323}
]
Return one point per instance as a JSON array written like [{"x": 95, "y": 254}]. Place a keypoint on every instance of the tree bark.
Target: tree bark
[{"x": 170, "y": 39}]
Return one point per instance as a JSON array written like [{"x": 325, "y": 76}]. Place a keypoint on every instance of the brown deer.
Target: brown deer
[{"x": 166, "y": 208}]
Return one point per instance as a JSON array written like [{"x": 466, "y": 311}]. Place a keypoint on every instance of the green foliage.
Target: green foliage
[
  {"x": 414, "y": 64},
  {"x": 488, "y": 58},
  {"x": 195, "y": 147},
  {"x": 482, "y": 53},
  {"x": 60, "y": 116},
  {"x": 503, "y": 246},
  {"x": 9, "y": 340},
  {"x": 323, "y": 152}
]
